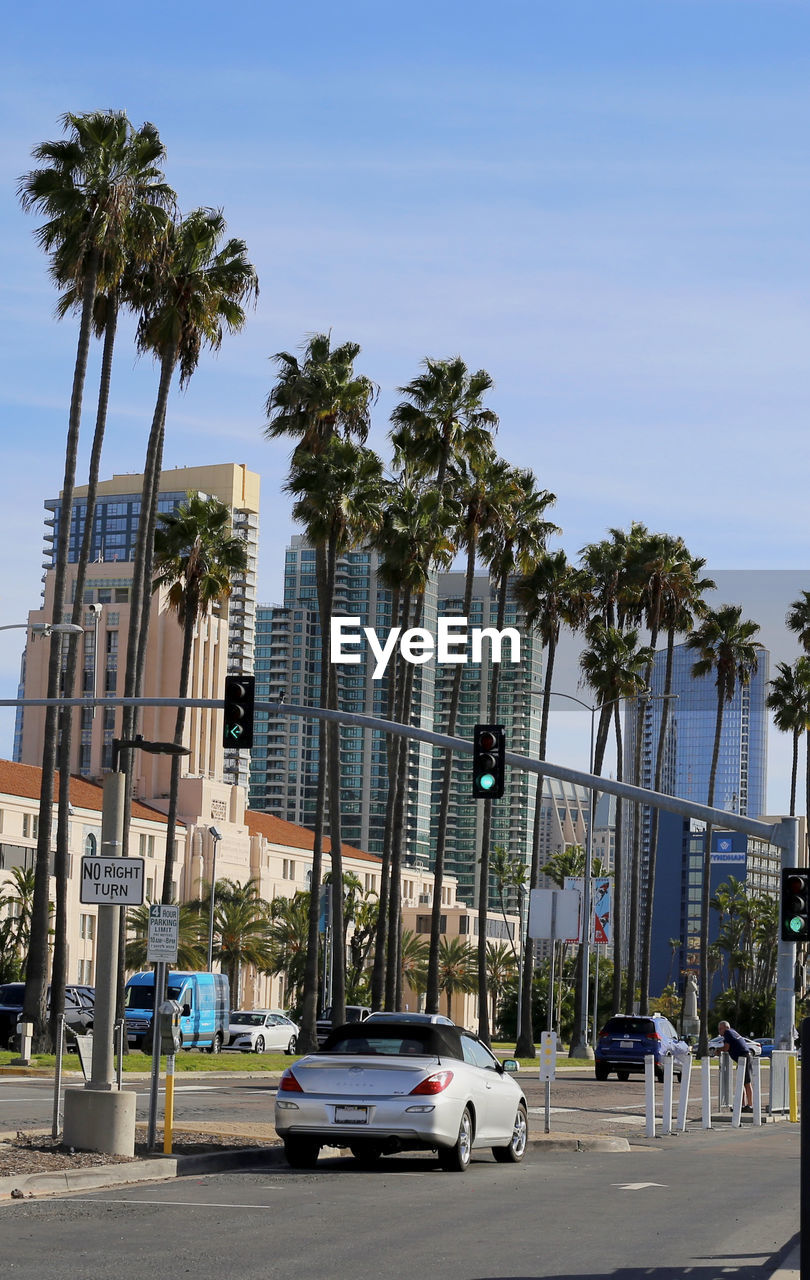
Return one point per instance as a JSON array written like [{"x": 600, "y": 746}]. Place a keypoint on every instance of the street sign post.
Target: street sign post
[
  {"x": 164, "y": 927},
  {"x": 112, "y": 882}
]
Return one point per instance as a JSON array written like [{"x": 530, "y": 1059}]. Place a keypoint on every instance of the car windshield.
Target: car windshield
[
  {"x": 247, "y": 1019},
  {"x": 626, "y": 1026}
]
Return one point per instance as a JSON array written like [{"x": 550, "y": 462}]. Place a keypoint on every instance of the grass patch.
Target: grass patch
[{"x": 189, "y": 1061}]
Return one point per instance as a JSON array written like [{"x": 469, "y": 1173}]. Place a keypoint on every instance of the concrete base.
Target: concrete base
[
  {"x": 581, "y": 1051},
  {"x": 100, "y": 1120}
]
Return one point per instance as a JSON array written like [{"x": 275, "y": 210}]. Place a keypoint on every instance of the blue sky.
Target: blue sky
[{"x": 603, "y": 203}]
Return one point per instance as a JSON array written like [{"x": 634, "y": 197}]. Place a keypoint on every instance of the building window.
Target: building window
[
  {"x": 30, "y": 826},
  {"x": 90, "y": 847},
  {"x": 87, "y": 926}
]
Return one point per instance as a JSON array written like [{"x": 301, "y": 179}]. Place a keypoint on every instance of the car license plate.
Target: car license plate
[
  {"x": 351, "y": 1115},
  {"x": 626, "y": 1044}
]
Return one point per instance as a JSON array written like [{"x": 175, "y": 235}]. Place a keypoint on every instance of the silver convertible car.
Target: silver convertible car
[{"x": 401, "y": 1086}]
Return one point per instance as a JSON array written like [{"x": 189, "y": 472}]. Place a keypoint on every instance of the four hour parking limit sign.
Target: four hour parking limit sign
[
  {"x": 164, "y": 926},
  {"x": 112, "y": 882}
]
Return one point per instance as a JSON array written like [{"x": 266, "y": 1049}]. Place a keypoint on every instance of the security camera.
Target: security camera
[
  {"x": 97, "y": 609},
  {"x": 217, "y": 835}
]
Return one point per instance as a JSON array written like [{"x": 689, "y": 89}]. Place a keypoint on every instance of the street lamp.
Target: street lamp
[
  {"x": 216, "y": 836},
  {"x": 45, "y": 629},
  {"x": 579, "y": 1045}
]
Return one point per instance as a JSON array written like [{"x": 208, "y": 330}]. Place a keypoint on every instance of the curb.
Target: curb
[
  {"x": 578, "y": 1142},
  {"x": 156, "y": 1169}
]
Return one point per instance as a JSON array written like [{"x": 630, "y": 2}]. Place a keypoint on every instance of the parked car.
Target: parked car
[
  {"x": 354, "y": 1013},
  {"x": 767, "y": 1044},
  {"x": 257, "y": 1030},
  {"x": 717, "y": 1042},
  {"x": 79, "y": 1011},
  {"x": 626, "y": 1039},
  {"x": 401, "y": 1085},
  {"x": 203, "y": 997}
]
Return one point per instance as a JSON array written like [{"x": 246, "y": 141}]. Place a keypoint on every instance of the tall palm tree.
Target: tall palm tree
[
  {"x": 510, "y": 546},
  {"x": 726, "y": 647},
  {"x": 85, "y": 188},
  {"x": 613, "y": 666},
  {"x": 789, "y": 700},
  {"x": 798, "y": 621},
  {"x": 187, "y": 296},
  {"x": 338, "y": 493},
  {"x": 313, "y": 400},
  {"x": 501, "y": 969},
  {"x": 551, "y": 594},
  {"x": 443, "y": 429},
  {"x": 682, "y": 601},
  {"x": 196, "y": 554},
  {"x": 287, "y": 938}
]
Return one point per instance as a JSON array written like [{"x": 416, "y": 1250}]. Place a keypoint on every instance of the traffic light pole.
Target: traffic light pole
[{"x": 785, "y": 1017}]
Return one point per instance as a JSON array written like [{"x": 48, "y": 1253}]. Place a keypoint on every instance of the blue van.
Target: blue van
[{"x": 204, "y": 998}]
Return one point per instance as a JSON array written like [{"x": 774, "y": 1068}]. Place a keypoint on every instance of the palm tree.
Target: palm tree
[
  {"x": 501, "y": 969},
  {"x": 188, "y": 295},
  {"x": 552, "y": 593},
  {"x": 195, "y": 555},
  {"x": 312, "y": 401},
  {"x": 681, "y": 603},
  {"x": 798, "y": 620},
  {"x": 789, "y": 700},
  {"x": 508, "y": 870},
  {"x": 17, "y": 901},
  {"x": 414, "y": 954},
  {"x": 727, "y": 647},
  {"x": 457, "y": 968},
  {"x": 338, "y": 492},
  {"x": 287, "y": 939},
  {"x": 241, "y": 920},
  {"x": 613, "y": 666},
  {"x": 511, "y": 545},
  {"x": 191, "y": 937},
  {"x": 86, "y": 189},
  {"x": 441, "y": 430}
]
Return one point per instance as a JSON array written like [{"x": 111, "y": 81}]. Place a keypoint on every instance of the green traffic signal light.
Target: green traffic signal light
[
  {"x": 795, "y": 905},
  {"x": 486, "y": 781}
]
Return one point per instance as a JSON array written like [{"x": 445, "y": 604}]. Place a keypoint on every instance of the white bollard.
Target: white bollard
[
  {"x": 683, "y": 1100},
  {"x": 649, "y": 1094},
  {"x": 669, "y": 1070},
  {"x": 757, "y": 1087},
  {"x": 705, "y": 1090},
  {"x": 739, "y": 1085}
]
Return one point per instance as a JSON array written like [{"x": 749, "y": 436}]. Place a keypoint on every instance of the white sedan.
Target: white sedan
[
  {"x": 717, "y": 1042},
  {"x": 260, "y": 1030},
  {"x": 402, "y": 1086}
]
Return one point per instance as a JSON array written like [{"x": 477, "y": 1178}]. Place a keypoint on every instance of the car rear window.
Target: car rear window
[
  {"x": 627, "y": 1026},
  {"x": 432, "y": 1040},
  {"x": 12, "y": 993}
]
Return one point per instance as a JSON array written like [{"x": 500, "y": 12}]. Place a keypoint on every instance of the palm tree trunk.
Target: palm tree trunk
[
  {"x": 646, "y": 943},
  {"x": 326, "y": 566},
  {"x": 37, "y": 965},
  {"x": 381, "y": 931},
  {"x": 794, "y": 772},
  {"x": 59, "y": 968},
  {"x": 618, "y": 875},
  {"x": 483, "y": 887},
  {"x": 703, "y": 1039},
  {"x": 432, "y": 992},
  {"x": 393, "y": 981},
  {"x": 189, "y": 622},
  {"x": 525, "y": 1047}
]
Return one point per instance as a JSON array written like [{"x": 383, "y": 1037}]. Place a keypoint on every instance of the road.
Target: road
[{"x": 705, "y": 1204}]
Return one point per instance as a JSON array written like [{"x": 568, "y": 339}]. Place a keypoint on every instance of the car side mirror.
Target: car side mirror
[
  {"x": 510, "y": 1065},
  {"x": 186, "y": 1010}
]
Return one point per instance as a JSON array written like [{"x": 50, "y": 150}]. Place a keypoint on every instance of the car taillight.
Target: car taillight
[
  {"x": 604, "y": 1035},
  {"x": 289, "y": 1084},
  {"x": 652, "y": 1035},
  {"x": 433, "y": 1084}
]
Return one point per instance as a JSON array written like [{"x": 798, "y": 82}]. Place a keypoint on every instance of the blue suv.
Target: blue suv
[{"x": 626, "y": 1039}]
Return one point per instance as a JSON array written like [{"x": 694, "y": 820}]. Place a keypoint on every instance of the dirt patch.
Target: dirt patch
[{"x": 40, "y": 1153}]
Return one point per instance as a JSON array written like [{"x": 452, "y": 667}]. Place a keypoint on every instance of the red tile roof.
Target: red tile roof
[
  {"x": 24, "y": 780},
  {"x": 277, "y": 831}
]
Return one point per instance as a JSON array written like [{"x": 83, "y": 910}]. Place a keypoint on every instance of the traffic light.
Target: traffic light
[
  {"x": 795, "y": 906},
  {"x": 238, "y": 728},
  {"x": 489, "y": 747}
]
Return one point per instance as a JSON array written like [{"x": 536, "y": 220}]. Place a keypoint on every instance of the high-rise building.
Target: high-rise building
[
  {"x": 740, "y": 785},
  {"x": 224, "y": 640}
]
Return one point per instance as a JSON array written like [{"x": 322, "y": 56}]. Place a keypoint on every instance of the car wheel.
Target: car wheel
[
  {"x": 367, "y": 1157},
  {"x": 623, "y": 1075},
  {"x": 293, "y": 1045},
  {"x": 456, "y": 1159},
  {"x": 601, "y": 1070},
  {"x": 216, "y": 1043},
  {"x": 259, "y": 1045},
  {"x": 301, "y": 1153},
  {"x": 516, "y": 1150}
]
